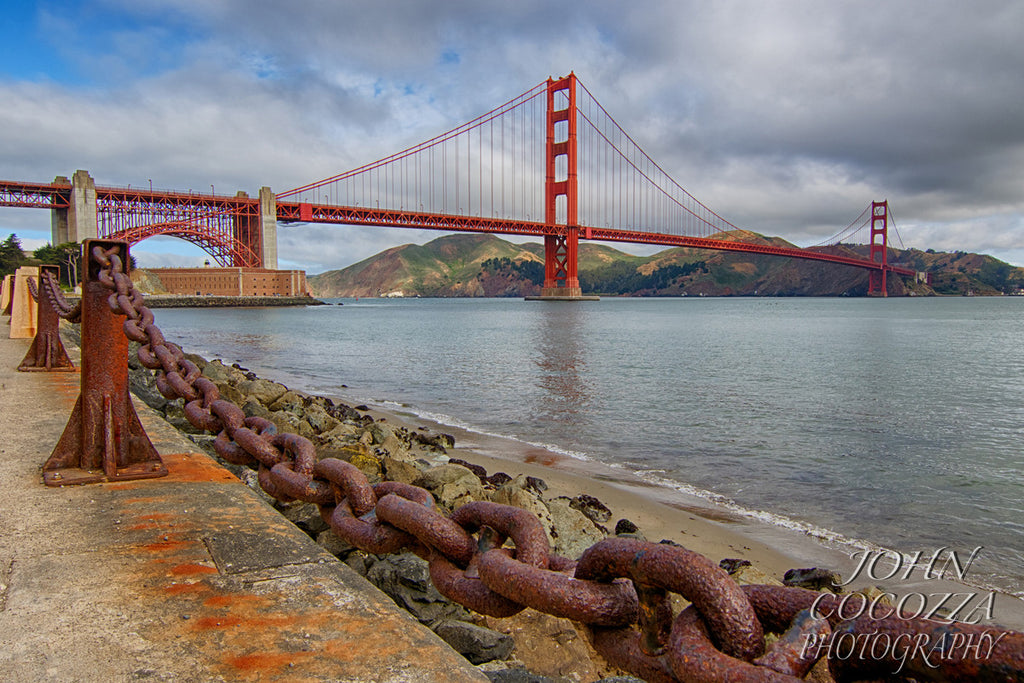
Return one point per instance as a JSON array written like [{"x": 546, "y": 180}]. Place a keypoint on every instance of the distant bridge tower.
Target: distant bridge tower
[
  {"x": 561, "y": 280},
  {"x": 879, "y": 247}
]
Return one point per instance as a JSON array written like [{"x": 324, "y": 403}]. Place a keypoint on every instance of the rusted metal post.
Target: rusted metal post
[
  {"x": 104, "y": 439},
  {"x": 47, "y": 353}
]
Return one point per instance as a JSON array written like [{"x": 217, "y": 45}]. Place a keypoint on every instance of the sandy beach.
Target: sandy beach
[{"x": 704, "y": 527}]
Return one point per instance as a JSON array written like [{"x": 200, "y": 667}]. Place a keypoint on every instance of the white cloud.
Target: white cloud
[{"x": 787, "y": 117}]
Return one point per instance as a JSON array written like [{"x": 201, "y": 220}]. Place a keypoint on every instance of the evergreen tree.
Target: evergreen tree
[{"x": 11, "y": 255}]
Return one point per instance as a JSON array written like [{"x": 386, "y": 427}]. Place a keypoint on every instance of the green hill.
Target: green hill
[{"x": 486, "y": 265}]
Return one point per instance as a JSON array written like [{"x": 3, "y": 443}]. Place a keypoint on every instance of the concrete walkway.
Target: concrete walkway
[{"x": 187, "y": 578}]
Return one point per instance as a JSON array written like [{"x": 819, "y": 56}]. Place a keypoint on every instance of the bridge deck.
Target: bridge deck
[{"x": 188, "y": 578}]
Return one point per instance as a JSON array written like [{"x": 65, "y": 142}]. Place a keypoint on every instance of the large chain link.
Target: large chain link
[
  {"x": 64, "y": 309},
  {"x": 616, "y": 584}
]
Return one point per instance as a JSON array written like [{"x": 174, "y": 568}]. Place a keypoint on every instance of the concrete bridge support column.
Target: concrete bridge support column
[
  {"x": 257, "y": 231},
  {"x": 78, "y": 222},
  {"x": 268, "y": 227}
]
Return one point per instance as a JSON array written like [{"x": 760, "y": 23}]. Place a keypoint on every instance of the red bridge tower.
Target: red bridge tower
[
  {"x": 879, "y": 252},
  {"x": 560, "y": 245}
]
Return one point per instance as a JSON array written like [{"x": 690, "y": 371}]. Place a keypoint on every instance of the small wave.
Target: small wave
[
  {"x": 450, "y": 421},
  {"x": 822, "y": 534}
]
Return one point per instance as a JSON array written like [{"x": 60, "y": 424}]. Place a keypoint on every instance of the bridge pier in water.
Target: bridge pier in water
[{"x": 561, "y": 282}]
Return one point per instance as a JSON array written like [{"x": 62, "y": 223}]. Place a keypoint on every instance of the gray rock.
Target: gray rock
[
  {"x": 439, "y": 442},
  {"x": 142, "y": 384},
  {"x": 814, "y": 578},
  {"x": 218, "y": 373},
  {"x": 253, "y": 408},
  {"x": 329, "y": 541},
  {"x": 592, "y": 508},
  {"x": 342, "y": 435},
  {"x": 478, "y": 470},
  {"x": 574, "y": 532},
  {"x": 475, "y": 643},
  {"x": 624, "y": 526},
  {"x": 438, "y": 476},
  {"x": 406, "y": 579},
  {"x": 402, "y": 471},
  {"x": 174, "y": 412},
  {"x": 288, "y": 422},
  {"x": 452, "y": 485},
  {"x": 264, "y": 391},
  {"x": 306, "y": 516},
  {"x": 229, "y": 393},
  {"x": 319, "y": 419},
  {"x": 733, "y": 565},
  {"x": 379, "y": 433},
  {"x": 498, "y": 479},
  {"x": 537, "y": 484},
  {"x": 290, "y": 401},
  {"x": 360, "y": 562}
]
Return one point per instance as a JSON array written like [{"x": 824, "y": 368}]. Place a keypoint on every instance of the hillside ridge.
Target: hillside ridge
[{"x": 481, "y": 265}]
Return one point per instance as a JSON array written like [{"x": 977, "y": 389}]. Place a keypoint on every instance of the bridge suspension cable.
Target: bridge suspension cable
[
  {"x": 892, "y": 224},
  {"x": 845, "y": 235},
  {"x": 492, "y": 166},
  {"x": 622, "y": 187}
]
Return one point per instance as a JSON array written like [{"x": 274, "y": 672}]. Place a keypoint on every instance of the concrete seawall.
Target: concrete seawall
[
  {"x": 188, "y": 578},
  {"x": 182, "y": 301}
]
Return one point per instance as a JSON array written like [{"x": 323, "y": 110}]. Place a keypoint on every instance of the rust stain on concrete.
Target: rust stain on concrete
[
  {"x": 192, "y": 570},
  {"x": 183, "y": 588},
  {"x": 266, "y": 661}
]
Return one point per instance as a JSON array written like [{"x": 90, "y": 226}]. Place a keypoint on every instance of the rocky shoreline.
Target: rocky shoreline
[
  {"x": 184, "y": 301},
  {"x": 529, "y": 647}
]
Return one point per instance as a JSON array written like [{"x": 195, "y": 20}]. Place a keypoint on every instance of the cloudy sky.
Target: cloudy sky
[{"x": 785, "y": 117}]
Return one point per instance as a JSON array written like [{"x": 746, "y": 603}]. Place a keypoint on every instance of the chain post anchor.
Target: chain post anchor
[
  {"x": 47, "y": 353},
  {"x": 104, "y": 439}
]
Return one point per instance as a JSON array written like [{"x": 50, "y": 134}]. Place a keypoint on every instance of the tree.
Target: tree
[
  {"x": 11, "y": 255},
  {"x": 68, "y": 256}
]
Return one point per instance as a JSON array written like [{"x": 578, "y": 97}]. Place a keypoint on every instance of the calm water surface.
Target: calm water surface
[{"x": 898, "y": 422}]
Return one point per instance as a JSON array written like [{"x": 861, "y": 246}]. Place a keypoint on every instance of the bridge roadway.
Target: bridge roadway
[
  {"x": 199, "y": 218},
  {"x": 187, "y": 578}
]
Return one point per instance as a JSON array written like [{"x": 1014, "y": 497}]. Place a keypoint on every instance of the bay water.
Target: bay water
[{"x": 873, "y": 423}]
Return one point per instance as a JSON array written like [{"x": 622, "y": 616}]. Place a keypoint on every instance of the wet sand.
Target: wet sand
[{"x": 698, "y": 524}]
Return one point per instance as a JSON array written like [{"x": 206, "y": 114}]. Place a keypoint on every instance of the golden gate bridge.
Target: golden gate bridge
[{"x": 551, "y": 163}]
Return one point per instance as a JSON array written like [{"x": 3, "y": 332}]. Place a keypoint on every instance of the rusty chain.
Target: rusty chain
[
  {"x": 32, "y": 290},
  {"x": 619, "y": 588},
  {"x": 64, "y": 309}
]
